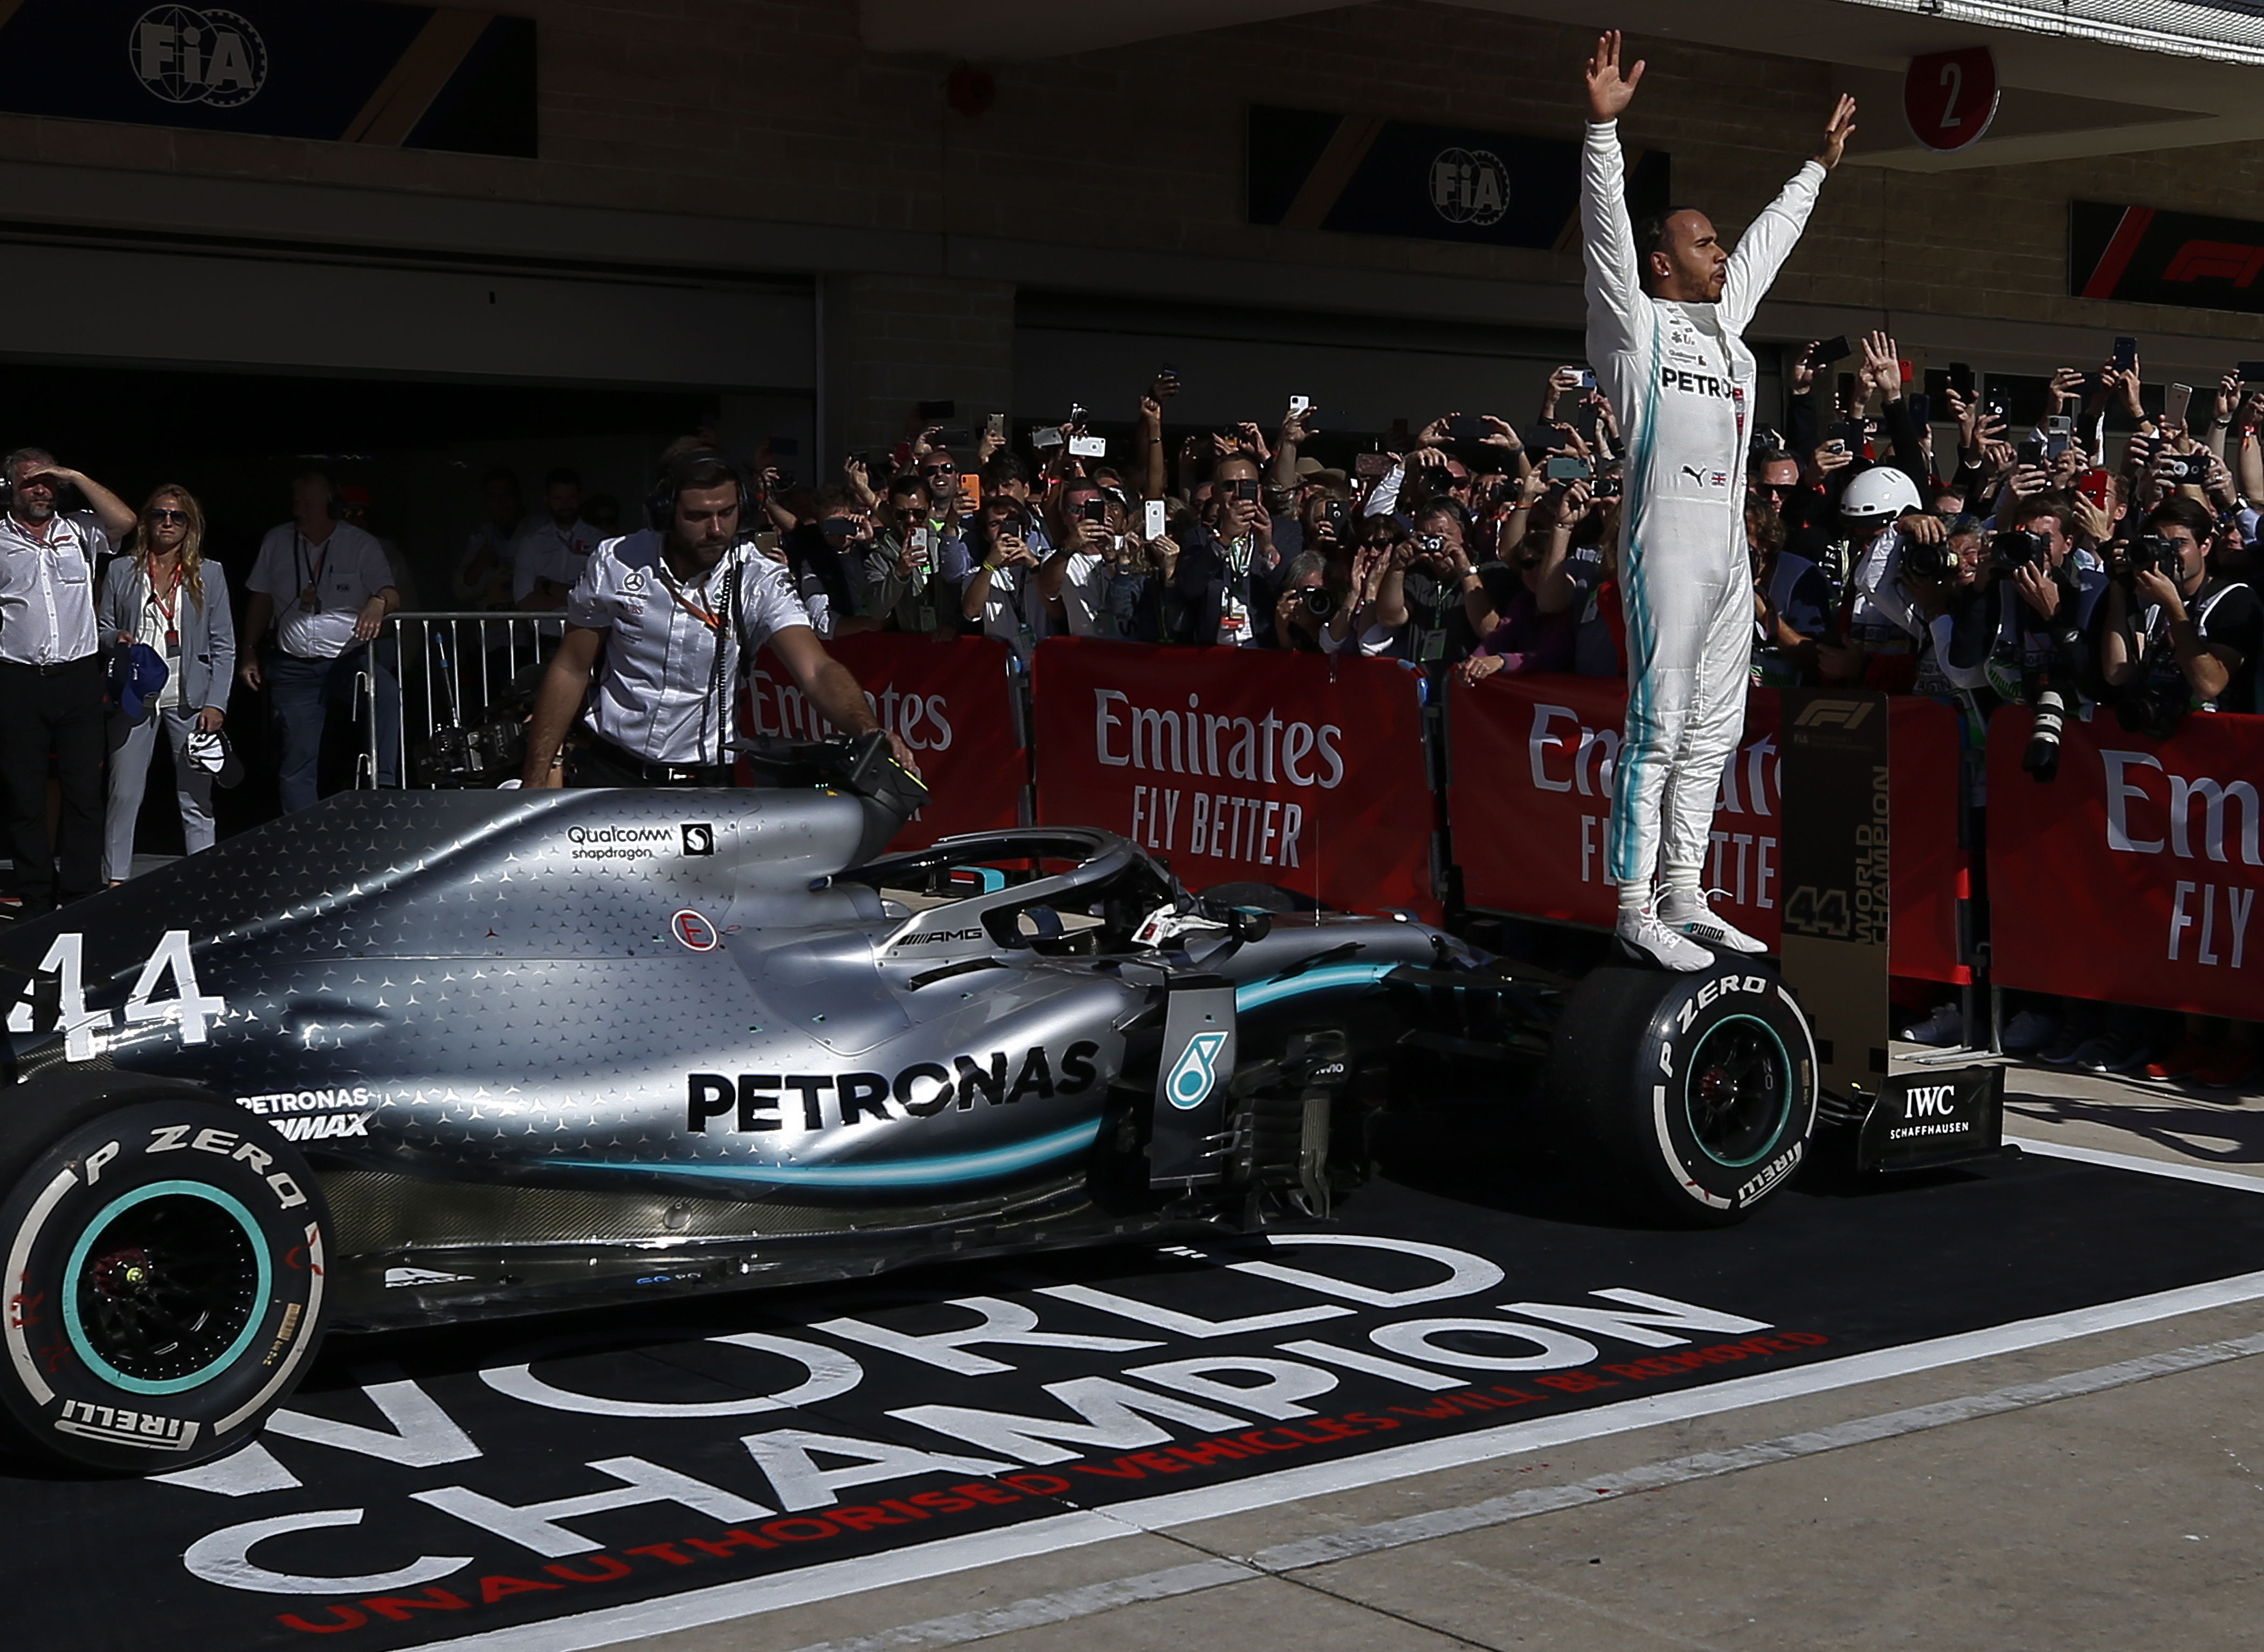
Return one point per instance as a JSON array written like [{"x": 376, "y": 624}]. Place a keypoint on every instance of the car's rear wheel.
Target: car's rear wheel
[
  {"x": 165, "y": 1259},
  {"x": 1691, "y": 1095}
]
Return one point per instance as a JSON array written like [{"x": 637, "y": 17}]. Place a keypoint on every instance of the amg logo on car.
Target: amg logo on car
[
  {"x": 930, "y": 937},
  {"x": 144, "y": 1429},
  {"x": 923, "y": 1090}
]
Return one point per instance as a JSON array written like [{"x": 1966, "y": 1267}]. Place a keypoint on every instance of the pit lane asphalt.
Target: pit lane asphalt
[
  {"x": 2116, "y": 1513},
  {"x": 2092, "y": 1474}
]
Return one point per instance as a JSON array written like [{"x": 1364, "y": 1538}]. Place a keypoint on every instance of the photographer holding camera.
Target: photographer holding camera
[
  {"x": 1228, "y": 574},
  {"x": 1304, "y": 605},
  {"x": 1001, "y": 595},
  {"x": 902, "y": 575},
  {"x": 2175, "y": 637},
  {"x": 2035, "y": 654},
  {"x": 1107, "y": 580},
  {"x": 827, "y": 563}
]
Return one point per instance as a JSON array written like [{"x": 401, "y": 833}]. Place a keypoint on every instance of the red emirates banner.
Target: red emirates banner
[
  {"x": 948, "y": 698},
  {"x": 1238, "y": 765},
  {"x": 2131, "y": 877},
  {"x": 1530, "y": 801}
]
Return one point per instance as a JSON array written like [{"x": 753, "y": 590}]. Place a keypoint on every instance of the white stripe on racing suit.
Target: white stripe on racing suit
[{"x": 1682, "y": 379}]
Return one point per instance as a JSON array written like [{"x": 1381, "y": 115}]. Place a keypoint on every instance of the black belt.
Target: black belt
[
  {"x": 653, "y": 773},
  {"x": 56, "y": 667}
]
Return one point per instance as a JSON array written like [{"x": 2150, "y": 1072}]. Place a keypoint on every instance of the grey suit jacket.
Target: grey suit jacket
[{"x": 207, "y": 628}]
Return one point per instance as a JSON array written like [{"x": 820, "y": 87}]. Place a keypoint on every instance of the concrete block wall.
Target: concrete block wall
[{"x": 893, "y": 341}]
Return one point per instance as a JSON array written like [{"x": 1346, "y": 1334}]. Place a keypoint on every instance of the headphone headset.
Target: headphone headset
[{"x": 660, "y": 504}]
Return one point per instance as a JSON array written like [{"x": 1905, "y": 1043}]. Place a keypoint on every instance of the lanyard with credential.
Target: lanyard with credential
[
  {"x": 310, "y": 598},
  {"x": 718, "y": 698},
  {"x": 167, "y": 607},
  {"x": 686, "y": 601}
]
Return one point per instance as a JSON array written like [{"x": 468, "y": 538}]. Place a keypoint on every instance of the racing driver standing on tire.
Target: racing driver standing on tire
[{"x": 1666, "y": 307}]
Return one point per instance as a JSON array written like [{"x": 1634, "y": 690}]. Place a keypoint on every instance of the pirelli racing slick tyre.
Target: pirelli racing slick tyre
[
  {"x": 164, "y": 1270},
  {"x": 1690, "y": 1098}
]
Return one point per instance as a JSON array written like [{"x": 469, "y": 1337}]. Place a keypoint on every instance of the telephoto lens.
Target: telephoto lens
[{"x": 2042, "y": 759}]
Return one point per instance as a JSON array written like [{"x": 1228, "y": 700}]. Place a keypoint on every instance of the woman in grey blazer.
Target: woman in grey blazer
[{"x": 168, "y": 597}]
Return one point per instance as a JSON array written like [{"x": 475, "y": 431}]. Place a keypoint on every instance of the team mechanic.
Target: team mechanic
[
  {"x": 1666, "y": 309},
  {"x": 665, "y": 618}
]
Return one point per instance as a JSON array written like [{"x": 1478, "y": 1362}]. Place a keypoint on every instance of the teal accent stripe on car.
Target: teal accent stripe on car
[
  {"x": 940, "y": 1172},
  {"x": 1257, "y": 994},
  {"x": 1635, "y": 605}
]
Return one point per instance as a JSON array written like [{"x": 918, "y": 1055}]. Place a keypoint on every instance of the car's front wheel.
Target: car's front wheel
[
  {"x": 165, "y": 1268},
  {"x": 1692, "y": 1095}
]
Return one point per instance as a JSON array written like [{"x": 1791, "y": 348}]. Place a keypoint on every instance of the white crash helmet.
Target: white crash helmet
[{"x": 1880, "y": 493}]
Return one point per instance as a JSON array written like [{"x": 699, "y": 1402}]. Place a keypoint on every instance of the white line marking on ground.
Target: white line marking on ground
[
  {"x": 1070, "y": 1604},
  {"x": 2208, "y": 1173},
  {"x": 721, "y": 1603}
]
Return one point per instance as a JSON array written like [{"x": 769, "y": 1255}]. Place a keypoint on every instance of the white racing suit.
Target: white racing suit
[{"x": 1681, "y": 380}]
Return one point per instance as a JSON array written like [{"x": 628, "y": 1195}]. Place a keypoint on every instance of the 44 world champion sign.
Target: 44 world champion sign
[{"x": 355, "y": 71}]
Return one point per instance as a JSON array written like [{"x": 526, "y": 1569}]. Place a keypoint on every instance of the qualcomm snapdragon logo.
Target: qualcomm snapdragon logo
[
  {"x": 1195, "y": 1072},
  {"x": 186, "y": 56}
]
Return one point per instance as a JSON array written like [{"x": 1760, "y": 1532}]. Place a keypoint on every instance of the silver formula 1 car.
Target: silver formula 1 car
[{"x": 407, "y": 1058}]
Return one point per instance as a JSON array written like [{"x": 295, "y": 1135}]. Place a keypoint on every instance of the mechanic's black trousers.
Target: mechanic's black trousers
[{"x": 54, "y": 709}]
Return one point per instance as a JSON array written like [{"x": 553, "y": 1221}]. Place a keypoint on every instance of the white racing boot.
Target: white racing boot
[
  {"x": 1688, "y": 912},
  {"x": 1652, "y": 942}
]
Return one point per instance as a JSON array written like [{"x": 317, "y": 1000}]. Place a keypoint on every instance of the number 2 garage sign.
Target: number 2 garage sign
[{"x": 1950, "y": 97}]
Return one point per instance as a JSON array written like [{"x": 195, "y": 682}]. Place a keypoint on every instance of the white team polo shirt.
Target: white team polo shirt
[
  {"x": 47, "y": 589},
  {"x": 657, "y": 692},
  {"x": 346, "y": 570}
]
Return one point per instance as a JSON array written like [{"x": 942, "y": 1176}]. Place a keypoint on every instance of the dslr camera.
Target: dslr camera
[
  {"x": 1316, "y": 601},
  {"x": 2020, "y": 547},
  {"x": 2155, "y": 704},
  {"x": 2147, "y": 553},
  {"x": 1922, "y": 560}
]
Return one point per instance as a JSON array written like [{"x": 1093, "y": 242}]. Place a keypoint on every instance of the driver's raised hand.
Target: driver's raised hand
[{"x": 1610, "y": 91}]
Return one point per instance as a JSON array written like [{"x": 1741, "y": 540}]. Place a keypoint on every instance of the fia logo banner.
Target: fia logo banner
[
  {"x": 186, "y": 56},
  {"x": 1469, "y": 186},
  {"x": 1195, "y": 1072}
]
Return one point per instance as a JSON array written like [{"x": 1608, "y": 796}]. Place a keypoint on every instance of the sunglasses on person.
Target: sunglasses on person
[{"x": 168, "y": 516}]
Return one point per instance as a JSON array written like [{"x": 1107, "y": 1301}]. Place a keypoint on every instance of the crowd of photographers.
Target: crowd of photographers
[
  {"x": 2053, "y": 567},
  {"x": 2021, "y": 567}
]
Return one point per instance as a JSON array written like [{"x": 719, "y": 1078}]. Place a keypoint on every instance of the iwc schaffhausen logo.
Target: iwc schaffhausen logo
[{"x": 186, "y": 56}]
